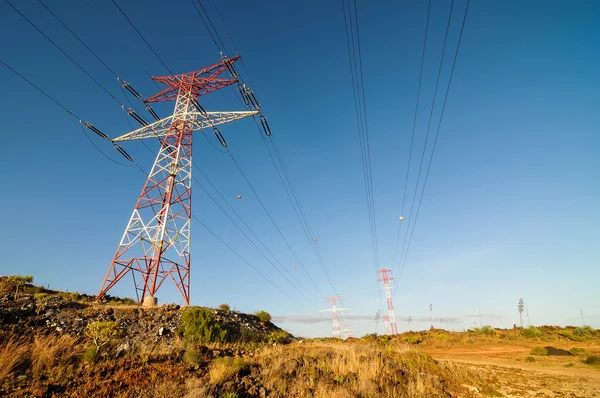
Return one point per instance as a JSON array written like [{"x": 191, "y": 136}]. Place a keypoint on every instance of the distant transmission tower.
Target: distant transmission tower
[
  {"x": 388, "y": 295},
  {"x": 156, "y": 242},
  {"x": 521, "y": 308},
  {"x": 334, "y": 317},
  {"x": 431, "y": 315},
  {"x": 347, "y": 332}
]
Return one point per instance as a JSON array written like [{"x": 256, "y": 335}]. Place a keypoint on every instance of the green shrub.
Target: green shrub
[
  {"x": 369, "y": 336},
  {"x": 90, "y": 354},
  {"x": 531, "y": 332},
  {"x": 103, "y": 332},
  {"x": 263, "y": 316},
  {"x": 579, "y": 352},
  {"x": 539, "y": 351},
  {"x": 224, "y": 307},
  {"x": 18, "y": 281},
  {"x": 193, "y": 357},
  {"x": 586, "y": 331},
  {"x": 565, "y": 333},
  {"x": 384, "y": 338},
  {"x": 530, "y": 359},
  {"x": 199, "y": 326},
  {"x": 412, "y": 339},
  {"x": 569, "y": 365},
  {"x": 592, "y": 360},
  {"x": 230, "y": 395},
  {"x": 441, "y": 336},
  {"x": 248, "y": 335},
  {"x": 75, "y": 296},
  {"x": 279, "y": 337},
  {"x": 487, "y": 330}
]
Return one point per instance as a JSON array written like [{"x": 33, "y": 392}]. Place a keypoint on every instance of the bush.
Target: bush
[
  {"x": 263, "y": 316},
  {"x": 412, "y": 339},
  {"x": 230, "y": 395},
  {"x": 586, "y": 331},
  {"x": 592, "y": 360},
  {"x": 565, "y": 333},
  {"x": 531, "y": 332},
  {"x": 18, "y": 281},
  {"x": 539, "y": 351},
  {"x": 193, "y": 357},
  {"x": 90, "y": 354},
  {"x": 103, "y": 332},
  {"x": 224, "y": 307},
  {"x": 530, "y": 359},
  {"x": 487, "y": 330},
  {"x": 199, "y": 326},
  {"x": 579, "y": 352},
  {"x": 279, "y": 337}
]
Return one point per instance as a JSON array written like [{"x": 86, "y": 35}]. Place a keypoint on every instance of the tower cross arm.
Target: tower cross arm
[{"x": 198, "y": 120}]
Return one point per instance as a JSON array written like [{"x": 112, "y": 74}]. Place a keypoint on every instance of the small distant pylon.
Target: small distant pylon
[
  {"x": 347, "y": 332},
  {"x": 521, "y": 308},
  {"x": 386, "y": 322},
  {"x": 388, "y": 295},
  {"x": 334, "y": 317}
]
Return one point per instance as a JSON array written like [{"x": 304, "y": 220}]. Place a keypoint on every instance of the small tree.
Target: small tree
[
  {"x": 199, "y": 326},
  {"x": 224, "y": 307},
  {"x": 263, "y": 316},
  {"x": 19, "y": 280},
  {"x": 103, "y": 333}
]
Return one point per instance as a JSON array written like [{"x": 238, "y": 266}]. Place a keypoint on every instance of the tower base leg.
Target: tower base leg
[{"x": 150, "y": 301}]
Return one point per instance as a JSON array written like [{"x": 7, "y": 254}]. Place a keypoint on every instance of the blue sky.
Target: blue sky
[{"x": 510, "y": 208}]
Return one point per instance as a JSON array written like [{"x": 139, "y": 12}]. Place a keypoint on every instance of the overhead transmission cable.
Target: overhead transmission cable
[
  {"x": 71, "y": 113},
  {"x": 357, "y": 77},
  {"x": 293, "y": 196},
  {"x": 156, "y": 54},
  {"x": 221, "y": 47},
  {"x": 436, "y": 136},
  {"x": 412, "y": 138}
]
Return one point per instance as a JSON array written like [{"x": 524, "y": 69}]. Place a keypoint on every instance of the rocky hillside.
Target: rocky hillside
[{"x": 57, "y": 344}]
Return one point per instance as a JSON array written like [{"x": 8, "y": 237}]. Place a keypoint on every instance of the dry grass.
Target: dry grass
[
  {"x": 348, "y": 370},
  {"x": 222, "y": 369},
  {"x": 50, "y": 353},
  {"x": 13, "y": 353}
]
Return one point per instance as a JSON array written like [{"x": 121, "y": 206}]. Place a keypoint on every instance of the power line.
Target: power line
[
  {"x": 64, "y": 53},
  {"x": 435, "y": 91},
  {"x": 66, "y": 110},
  {"x": 142, "y": 37},
  {"x": 412, "y": 139},
  {"x": 78, "y": 39},
  {"x": 302, "y": 219},
  {"x": 357, "y": 78},
  {"x": 437, "y": 132}
]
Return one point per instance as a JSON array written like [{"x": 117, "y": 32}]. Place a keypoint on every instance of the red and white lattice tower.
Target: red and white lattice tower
[
  {"x": 388, "y": 296},
  {"x": 386, "y": 322},
  {"x": 334, "y": 317},
  {"x": 347, "y": 332},
  {"x": 156, "y": 242}
]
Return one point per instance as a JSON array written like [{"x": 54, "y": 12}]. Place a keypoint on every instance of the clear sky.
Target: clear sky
[{"x": 511, "y": 206}]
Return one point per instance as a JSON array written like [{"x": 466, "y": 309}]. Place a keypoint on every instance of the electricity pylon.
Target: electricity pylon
[
  {"x": 347, "y": 332},
  {"x": 334, "y": 317},
  {"x": 521, "y": 308},
  {"x": 386, "y": 322},
  {"x": 156, "y": 241},
  {"x": 388, "y": 295}
]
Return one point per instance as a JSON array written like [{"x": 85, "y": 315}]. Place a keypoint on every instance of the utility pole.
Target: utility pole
[
  {"x": 156, "y": 243},
  {"x": 385, "y": 278},
  {"x": 334, "y": 317},
  {"x": 431, "y": 315},
  {"x": 521, "y": 308}
]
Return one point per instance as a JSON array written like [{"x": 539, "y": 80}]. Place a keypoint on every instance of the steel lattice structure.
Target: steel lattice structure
[
  {"x": 334, "y": 317},
  {"x": 156, "y": 241},
  {"x": 388, "y": 296}
]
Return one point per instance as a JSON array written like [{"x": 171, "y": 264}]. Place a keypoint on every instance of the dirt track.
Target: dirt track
[{"x": 550, "y": 376}]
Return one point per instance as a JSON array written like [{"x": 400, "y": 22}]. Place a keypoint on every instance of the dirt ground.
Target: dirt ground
[{"x": 505, "y": 362}]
